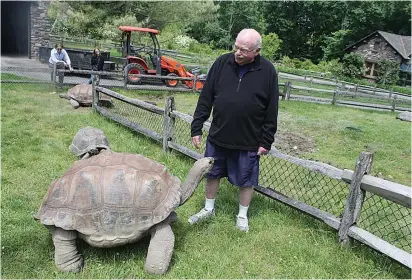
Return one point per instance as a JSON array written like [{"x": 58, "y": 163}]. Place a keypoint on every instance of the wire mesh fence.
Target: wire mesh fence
[
  {"x": 302, "y": 184},
  {"x": 387, "y": 220}
]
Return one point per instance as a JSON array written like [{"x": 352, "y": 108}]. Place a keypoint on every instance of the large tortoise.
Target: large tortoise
[
  {"x": 82, "y": 95},
  {"x": 110, "y": 199}
]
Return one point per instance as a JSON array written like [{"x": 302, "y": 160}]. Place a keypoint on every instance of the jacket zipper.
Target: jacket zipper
[
  {"x": 238, "y": 85},
  {"x": 240, "y": 79}
]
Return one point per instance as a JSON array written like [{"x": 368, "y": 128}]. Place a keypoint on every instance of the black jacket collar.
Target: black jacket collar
[{"x": 255, "y": 65}]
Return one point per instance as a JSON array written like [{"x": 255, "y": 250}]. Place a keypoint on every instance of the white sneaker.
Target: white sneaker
[
  {"x": 202, "y": 215},
  {"x": 242, "y": 223}
]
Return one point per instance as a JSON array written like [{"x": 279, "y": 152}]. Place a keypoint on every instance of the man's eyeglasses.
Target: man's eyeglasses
[
  {"x": 242, "y": 50},
  {"x": 59, "y": 49}
]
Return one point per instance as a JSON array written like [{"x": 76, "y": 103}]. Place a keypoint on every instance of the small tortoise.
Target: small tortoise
[
  {"x": 111, "y": 199},
  {"x": 82, "y": 95}
]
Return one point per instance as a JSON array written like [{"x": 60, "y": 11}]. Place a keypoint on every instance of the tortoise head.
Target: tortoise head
[
  {"x": 195, "y": 175},
  {"x": 89, "y": 141}
]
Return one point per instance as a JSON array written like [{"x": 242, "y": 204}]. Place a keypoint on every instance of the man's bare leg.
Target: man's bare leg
[
  {"x": 212, "y": 186},
  {"x": 245, "y": 197}
]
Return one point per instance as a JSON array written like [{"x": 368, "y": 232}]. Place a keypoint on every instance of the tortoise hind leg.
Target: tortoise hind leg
[
  {"x": 66, "y": 256},
  {"x": 160, "y": 249}
]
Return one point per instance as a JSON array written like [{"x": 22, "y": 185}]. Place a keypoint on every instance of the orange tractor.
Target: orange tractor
[{"x": 159, "y": 64}]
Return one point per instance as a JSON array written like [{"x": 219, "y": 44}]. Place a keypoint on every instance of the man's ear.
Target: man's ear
[{"x": 257, "y": 51}]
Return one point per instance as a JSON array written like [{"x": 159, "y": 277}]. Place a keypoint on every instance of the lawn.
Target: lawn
[{"x": 37, "y": 129}]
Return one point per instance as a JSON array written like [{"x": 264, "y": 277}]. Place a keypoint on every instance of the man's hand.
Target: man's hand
[
  {"x": 196, "y": 141},
  {"x": 262, "y": 151},
  {"x": 70, "y": 68}
]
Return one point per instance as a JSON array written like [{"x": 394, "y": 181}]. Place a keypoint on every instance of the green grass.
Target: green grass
[{"x": 37, "y": 129}]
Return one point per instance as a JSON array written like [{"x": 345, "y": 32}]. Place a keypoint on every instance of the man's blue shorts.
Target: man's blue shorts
[{"x": 240, "y": 167}]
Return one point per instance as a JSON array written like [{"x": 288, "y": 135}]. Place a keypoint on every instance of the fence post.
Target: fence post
[
  {"x": 288, "y": 89},
  {"x": 95, "y": 95},
  {"x": 194, "y": 83},
  {"x": 311, "y": 81},
  {"x": 168, "y": 122},
  {"x": 125, "y": 74},
  {"x": 343, "y": 87},
  {"x": 355, "y": 198},
  {"x": 390, "y": 93},
  {"x": 394, "y": 103},
  {"x": 335, "y": 93},
  {"x": 356, "y": 88},
  {"x": 54, "y": 80}
]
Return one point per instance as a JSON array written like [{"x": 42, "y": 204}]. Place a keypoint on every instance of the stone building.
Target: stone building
[
  {"x": 381, "y": 45},
  {"x": 24, "y": 27}
]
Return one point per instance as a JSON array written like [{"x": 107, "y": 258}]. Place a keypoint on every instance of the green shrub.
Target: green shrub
[
  {"x": 387, "y": 72},
  {"x": 353, "y": 65},
  {"x": 271, "y": 44}
]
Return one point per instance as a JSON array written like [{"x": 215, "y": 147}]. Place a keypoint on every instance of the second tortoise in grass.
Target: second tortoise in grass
[
  {"x": 111, "y": 199},
  {"x": 82, "y": 95}
]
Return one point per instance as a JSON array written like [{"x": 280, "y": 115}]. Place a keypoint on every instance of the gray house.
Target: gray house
[{"x": 381, "y": 45}]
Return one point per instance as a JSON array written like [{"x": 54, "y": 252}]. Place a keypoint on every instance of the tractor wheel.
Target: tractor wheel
[
  {"x": 132, "y": 69},
  {"x": 171, "y": 83}
]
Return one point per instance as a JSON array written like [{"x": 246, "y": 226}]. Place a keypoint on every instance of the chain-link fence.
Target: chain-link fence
[
  {"x": 302, "y": 184},
  {"x": 385, "y": 219}
]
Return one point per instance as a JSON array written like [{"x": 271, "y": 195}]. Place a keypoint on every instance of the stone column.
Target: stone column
[{"x": 40, "y": 27}]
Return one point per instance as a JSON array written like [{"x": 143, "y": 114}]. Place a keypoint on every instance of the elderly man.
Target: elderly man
[{"x": 242, "y": 88}]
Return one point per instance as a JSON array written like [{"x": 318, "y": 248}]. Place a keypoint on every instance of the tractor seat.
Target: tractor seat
[{"x": 153, "y": 58}]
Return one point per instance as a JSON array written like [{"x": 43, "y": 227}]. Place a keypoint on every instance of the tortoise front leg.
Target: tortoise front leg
[
  {"x": 74, "y": 103},
  {"x": 66, "y": 256},
  {"x": 160, "y": 249}
]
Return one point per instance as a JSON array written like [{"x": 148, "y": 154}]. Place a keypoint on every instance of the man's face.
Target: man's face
[
  {"x": 59, "y": 49},
  {"x": 245, "y": 51}
]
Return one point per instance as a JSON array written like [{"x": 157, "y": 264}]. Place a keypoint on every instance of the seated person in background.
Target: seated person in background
[
  {"x": 60, "y": 58},
  {"x": 97, "y": 63}
]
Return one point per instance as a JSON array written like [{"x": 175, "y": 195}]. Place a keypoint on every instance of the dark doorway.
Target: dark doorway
[{"x": 15, "y": 28}]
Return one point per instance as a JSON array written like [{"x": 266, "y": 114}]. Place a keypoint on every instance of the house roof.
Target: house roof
[{"x": 402, "y": 44}]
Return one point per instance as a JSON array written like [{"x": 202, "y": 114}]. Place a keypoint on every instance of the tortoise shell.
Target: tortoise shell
[
  {"x": 111, "y": 198},
  {"x": 87, "y": 139},
  {"x": 83, "y": 94}
]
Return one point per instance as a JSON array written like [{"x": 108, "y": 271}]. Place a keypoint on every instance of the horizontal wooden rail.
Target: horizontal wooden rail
[
  {"x": 381, "y": 245},
  {"x": 329, "y": 219},
  {"x": 394, "y": 192},
  {"x": 26, "y": 82},
  {"x": 315, "y": 166},
  {"x": 136, "y": 102},
  {"x": 313, "y": 89}
]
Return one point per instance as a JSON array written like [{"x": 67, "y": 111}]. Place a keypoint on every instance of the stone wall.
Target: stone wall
[
  {"x": 40, "y": 27},
  {"x": 376, "y": 48}
]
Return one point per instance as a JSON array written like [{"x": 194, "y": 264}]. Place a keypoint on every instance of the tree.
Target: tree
[
  {"x": 387, "y": 72},
  {"x": 335, "y": 44},
  {"x": 270, "y": 45}
]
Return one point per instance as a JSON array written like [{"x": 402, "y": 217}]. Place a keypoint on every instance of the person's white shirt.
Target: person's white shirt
[{"x": 58, "y": 57}]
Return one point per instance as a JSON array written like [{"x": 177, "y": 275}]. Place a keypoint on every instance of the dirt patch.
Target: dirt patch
[{"x": 293, "y": 144}]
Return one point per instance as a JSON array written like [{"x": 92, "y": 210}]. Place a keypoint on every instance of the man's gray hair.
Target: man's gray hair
[{"x": 258, "y": 44}]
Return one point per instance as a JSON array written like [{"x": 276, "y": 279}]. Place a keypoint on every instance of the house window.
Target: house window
[
  {"x": 370, "y": 69},
  {"x": 376, "y": 46}
]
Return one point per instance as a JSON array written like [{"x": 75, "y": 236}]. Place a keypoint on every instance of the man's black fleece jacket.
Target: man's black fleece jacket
[{"x": 245, "y": 109}]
